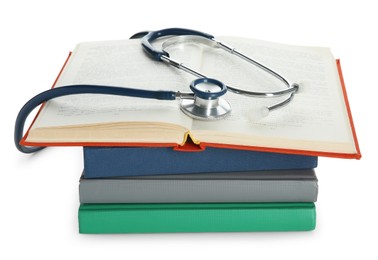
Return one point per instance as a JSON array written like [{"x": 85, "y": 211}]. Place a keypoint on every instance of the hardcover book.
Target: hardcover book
[
  {"x": 100, "y": 162},
  {"x": 195, "y": 217},
  {"x": 256, "y": 186}
]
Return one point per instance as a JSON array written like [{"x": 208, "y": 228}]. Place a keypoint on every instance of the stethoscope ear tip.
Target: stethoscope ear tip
[
  {"x": 264, "y": 112},
  {"x": 297, "y": 87},
  {"x": 256, "y": 114}
]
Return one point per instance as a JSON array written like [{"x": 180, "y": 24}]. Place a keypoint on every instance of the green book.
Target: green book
[{"x": 196, "y": 217}]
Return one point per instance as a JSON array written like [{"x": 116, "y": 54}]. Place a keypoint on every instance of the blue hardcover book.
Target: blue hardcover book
[{"x": 104, "y": 162}]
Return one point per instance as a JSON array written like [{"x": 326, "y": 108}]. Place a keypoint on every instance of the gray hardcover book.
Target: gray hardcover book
[{"x": 256, "y": 186}]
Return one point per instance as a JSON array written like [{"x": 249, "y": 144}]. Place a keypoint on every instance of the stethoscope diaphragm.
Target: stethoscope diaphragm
[{"x": 207, "y": 103}]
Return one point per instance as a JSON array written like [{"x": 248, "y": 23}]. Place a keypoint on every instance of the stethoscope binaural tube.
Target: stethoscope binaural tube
[
  {"x": 149, "y": 37},
  {"x": 207, "y": 39}
]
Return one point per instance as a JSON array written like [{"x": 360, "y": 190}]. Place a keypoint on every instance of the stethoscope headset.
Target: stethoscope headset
[{"x": 204, "y": 103}]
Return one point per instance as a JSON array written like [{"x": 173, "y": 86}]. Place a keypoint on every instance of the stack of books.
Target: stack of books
[
  {"x": 150, "y": 168},
  {"x": 135, "y": 189}
]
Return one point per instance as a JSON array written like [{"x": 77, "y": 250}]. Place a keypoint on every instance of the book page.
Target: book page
[
  {"x": 115, "y": 63},
  {"x": 316, "y": 114}
]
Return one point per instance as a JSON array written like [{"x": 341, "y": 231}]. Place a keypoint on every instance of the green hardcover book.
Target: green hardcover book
[{"x": 195, "y": 217}]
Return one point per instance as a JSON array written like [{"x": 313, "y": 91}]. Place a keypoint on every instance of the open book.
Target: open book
[{"x": 316, "y": 122}]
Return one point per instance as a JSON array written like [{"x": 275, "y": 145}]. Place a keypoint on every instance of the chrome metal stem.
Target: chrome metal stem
[{"x": 290, "y": 89}]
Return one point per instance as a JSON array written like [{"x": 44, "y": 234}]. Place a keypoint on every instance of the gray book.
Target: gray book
[{"x": 256, "y": 186}]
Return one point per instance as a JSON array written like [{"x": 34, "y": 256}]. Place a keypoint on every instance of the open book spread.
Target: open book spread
[{"x": 316, "y": 120}]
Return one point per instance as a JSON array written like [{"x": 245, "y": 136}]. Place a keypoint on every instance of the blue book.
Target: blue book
[{"x": 105, "y": 162}]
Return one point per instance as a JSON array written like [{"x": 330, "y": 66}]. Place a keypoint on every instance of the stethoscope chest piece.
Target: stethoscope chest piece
[{"x": 207, "y": 103}]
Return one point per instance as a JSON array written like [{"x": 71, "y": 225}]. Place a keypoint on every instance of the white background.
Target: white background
[{"x": 39, "y": 193}]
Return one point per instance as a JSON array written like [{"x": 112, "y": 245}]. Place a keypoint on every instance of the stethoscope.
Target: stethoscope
[{"x": 204, "y": 103}]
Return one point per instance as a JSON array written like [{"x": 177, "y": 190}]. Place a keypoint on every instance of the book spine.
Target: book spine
[
  {"x": 196, "y": 191},
  {"x": 222, "y": 217},
  {"x": 102, "y": 162}
]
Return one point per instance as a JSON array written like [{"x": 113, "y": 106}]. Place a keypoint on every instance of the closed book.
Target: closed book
[
  {"x": 103, "y": 162},
  {"x": 256, "y": 186},
  {"x": 196, "y": 217}
]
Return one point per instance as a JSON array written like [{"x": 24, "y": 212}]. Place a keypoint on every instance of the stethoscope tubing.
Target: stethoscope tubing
[
  {"x": 75, "y": 90},
  {"x": 147, "y": 38}
]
